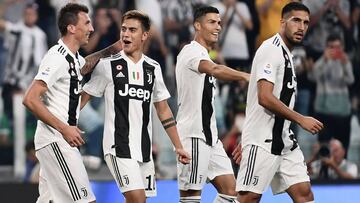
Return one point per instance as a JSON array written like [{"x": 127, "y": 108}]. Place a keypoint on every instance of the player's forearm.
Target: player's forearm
[
  {"x": 174, "y": 137},
  {"x": 36, "y": 106},
  {"x": 94, "y": 58},
  {"x": 168, "y": 121},
  {"x": 223, "y": 72},
  {"x": 271, "y": 103}
]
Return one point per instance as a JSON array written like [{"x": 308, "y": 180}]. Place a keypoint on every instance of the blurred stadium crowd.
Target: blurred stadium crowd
[{"x": 327, "y": 66}]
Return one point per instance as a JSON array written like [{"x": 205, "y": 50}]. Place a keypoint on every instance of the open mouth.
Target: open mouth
[
  {"x": 126, "y": 42},
  {"x": 299, "y": 34}
]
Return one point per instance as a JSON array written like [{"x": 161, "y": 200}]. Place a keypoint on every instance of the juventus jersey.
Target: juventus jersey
[
  {"x": 26, "y": 46},
  {"x": 272, "y": 62},
  {"x": 60, "y": 70},
  {"x": 196, "y": 91},
  {"x": 129, "y": 89}
]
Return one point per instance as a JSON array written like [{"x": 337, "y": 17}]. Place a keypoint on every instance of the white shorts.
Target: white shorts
[
  {"x": 206, "y": 163},
  {"x": 259, "y": 168},
  {"x": 131, "y": 174},
  {"x": 63, "y": 177}
]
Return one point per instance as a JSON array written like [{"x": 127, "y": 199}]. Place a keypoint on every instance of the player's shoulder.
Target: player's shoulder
[
  {"x": 151, "y": 61},
  {"x": 112, "y": 57},
  {"x": 271, "y": 46},
  {"x": 191, "y": 50},
  {"x": 56, "y": 54}
]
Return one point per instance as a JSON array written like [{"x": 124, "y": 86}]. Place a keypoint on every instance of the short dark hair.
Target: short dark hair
[
  {"x": 69, "y": 16},
  {"x": 294, "y": 6},
  {"x": 203, "y": 10},
  {"x": 34, "y": 6},
  {"x": 140, "y": 16},
  {"x": 333, "y": 37}
]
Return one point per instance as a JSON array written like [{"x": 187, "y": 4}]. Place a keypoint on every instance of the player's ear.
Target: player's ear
[
  {"x": 197, "y": 25},
  {"x": 71, "y": 28},
  {"x": 145, "y": 36}
]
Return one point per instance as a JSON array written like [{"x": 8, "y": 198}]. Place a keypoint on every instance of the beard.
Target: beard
[{"x": 293, "y": 42}]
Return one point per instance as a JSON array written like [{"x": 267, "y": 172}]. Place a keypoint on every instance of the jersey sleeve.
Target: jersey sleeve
[
  {"x": 160, "y": 92},
  {"x": 98, "y": 82},
  {"x": 51, "y": 69},
  {"x": 195, "y": 56},
  {"x": 267, "y": 63}
]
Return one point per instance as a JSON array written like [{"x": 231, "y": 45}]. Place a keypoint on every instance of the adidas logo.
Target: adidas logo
[{"x": 120, "y": 75}]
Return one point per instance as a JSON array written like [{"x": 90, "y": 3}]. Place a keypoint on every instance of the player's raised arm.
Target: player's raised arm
[
  {"x": 222, "y": 72},
  {"x": 94, "y": 58}
]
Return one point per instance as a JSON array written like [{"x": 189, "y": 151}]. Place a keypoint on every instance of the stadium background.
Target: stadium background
[{"x": 172, "y": 20}]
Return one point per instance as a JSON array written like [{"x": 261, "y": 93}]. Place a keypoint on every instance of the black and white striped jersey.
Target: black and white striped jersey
[
  {"x": 272, "y": 62},
  {"x": 130, "y": 89},
  {"x": 196, "y": 91},
  {"x": 26, "y": 46},
  {"x": 60, "y": 70}
]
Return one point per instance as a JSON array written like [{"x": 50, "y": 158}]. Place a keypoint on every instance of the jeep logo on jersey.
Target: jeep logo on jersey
[{"x": 135, "y": 92}]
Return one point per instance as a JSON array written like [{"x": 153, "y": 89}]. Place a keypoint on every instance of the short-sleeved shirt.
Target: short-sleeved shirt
[
  {"x": 60, "y": 70},
  {"x": 130, "y": 89},
  {"x": 272, "y": 62},
  {"x": 196, "y": 91},
  {"x": 26, "y": 47}
]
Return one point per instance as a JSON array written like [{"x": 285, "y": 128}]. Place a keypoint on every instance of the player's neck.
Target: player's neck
[
  {"x": 203, "y": 42},
  {"x": 71, "y": 43},
  {"x": 134, "y": 56}
]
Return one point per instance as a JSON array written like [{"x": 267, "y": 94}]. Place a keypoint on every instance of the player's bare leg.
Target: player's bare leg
[
  {"x": 301, "y": 192},
  {"x": 135, "y": 196},
  {"x": 249, "y": 197},
  {"x": 225, "y": 186}
]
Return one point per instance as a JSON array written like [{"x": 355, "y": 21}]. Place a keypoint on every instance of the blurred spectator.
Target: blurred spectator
[
  {"x": 303, "y": 64},
  {"x": 236, "y": 19},
  {"x": 106, "y": 22},
  {"x": 356, "y": 60},
  {"x": 47, "y": 21},
  {"x": 333, "y": 74},
  {"x": 32, "y": 164},
  {"x": 59, "y": 4},
  {"x": 177, "y": 19},
  {"x": 327, "y": 16},
  {"x": 26, "y": 44},
  {"x": 269, "y": 12},
  {"x": 329, "y": 163}
]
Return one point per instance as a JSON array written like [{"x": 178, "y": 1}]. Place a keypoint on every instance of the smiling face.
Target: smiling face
[
  {"x": 83, "y": 28},
  {"x": 132, "y": 36},
  {"x": 294, "y": 26},
  {"x": 208, "y": 27}
]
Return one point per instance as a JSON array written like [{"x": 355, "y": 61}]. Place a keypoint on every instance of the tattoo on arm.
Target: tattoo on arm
[
  {"x": 94, "y": 58},
  {"x": 167, "y": 123}
]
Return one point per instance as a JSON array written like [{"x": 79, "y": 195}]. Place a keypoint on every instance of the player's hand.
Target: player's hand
[
  {"x": 237, "y": 154},
  {"x": 311, "y": 125},
  {"x": 72, "y": 135},
  {"x": 183, "y": 156}
]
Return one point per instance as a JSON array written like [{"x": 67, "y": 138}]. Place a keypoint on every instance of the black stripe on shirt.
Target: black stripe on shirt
[
  {"x": 286, "y": 94},
  {"x": 149, "y": 79},
  {"x": 206, "y": 108},
  {"x": 74, "y": 94},
  {"x": 121, "y": 105}
]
